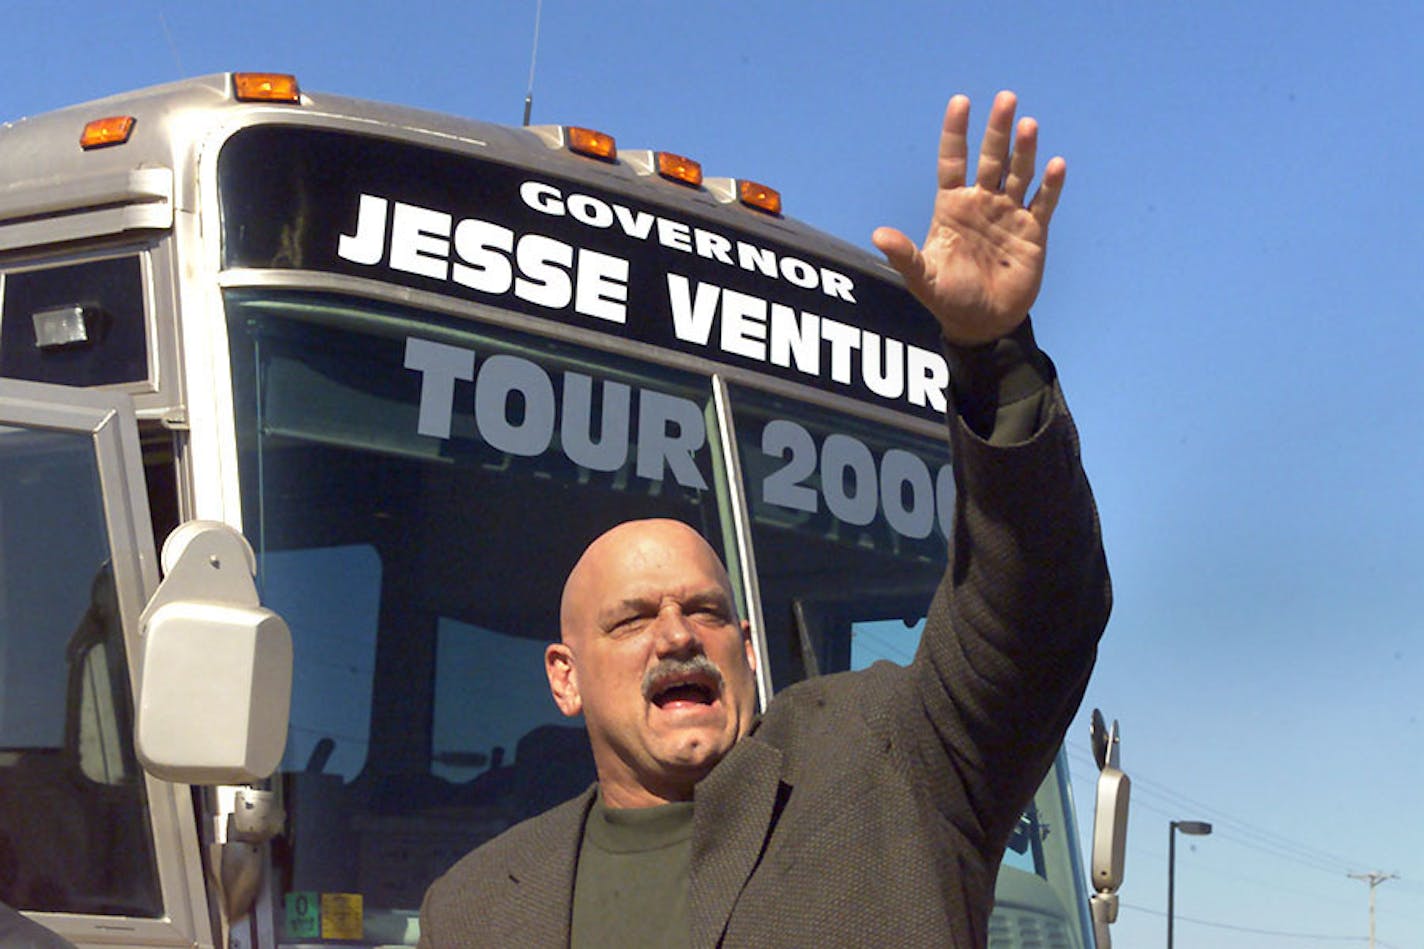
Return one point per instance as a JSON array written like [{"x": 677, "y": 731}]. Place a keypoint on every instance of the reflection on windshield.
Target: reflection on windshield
[
  {"x": 1036, "y": 899},
  {"x": 849, "y": 524},
  {"x": 416, "y": 493},
  {"x": 417, "y": 489},
  {"x": 333, "y": 594},
  {"x": 490, "y": 695}
]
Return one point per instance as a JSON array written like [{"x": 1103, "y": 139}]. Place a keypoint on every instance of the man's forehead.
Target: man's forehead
[
  {"x": 639, "y": 560},
  {"x": 649, "y": 591},
  {"x": 651, "y": 568},
  {"x": 650, "y": 545}
]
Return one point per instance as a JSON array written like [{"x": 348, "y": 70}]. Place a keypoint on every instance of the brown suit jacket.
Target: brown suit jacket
[{"x": 869, "y": 808}]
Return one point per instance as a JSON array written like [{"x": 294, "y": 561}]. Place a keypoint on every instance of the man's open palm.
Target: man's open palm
[{"x": 982, "y": 262}]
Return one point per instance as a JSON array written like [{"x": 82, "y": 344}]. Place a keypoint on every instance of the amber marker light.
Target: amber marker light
[
  {"x": 679, "y": 168},
  {"x": 265, "y": 87},
  {"x": 591, "y": 143},
  {"x": 113, "y": 130},
  {"x": 759, "y": 196}
]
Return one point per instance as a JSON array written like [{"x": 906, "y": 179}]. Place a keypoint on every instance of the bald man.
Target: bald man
[
  {"x": 861, "y": 809},
  {"x": 654, "y": 657}
]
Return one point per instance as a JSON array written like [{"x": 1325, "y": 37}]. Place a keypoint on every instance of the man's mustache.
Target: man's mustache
[{"x": 673, "y": 668}]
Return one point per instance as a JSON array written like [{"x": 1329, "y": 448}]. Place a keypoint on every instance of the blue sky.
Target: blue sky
[{"x": 1232, "y": 300}]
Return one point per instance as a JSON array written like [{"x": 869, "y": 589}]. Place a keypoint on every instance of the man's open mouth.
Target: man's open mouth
[
  {"x": 699, "y": 693},
  {"x": 696, "y": 681}
]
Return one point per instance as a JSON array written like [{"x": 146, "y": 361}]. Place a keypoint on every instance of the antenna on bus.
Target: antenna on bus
[
  {"x": 172, "y": 47},
  {"x": 533, "y": 56}
]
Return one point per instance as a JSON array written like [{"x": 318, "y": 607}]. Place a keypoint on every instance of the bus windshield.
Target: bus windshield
[
  {"x": 413, "y": 522},
  {"x": 417, "y": 487}
]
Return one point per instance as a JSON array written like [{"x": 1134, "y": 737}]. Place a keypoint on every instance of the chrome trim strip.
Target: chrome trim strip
[{"x": 742, "y": 528}]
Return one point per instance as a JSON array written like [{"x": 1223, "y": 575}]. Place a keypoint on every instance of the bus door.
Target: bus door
[{"x": 89, "y": 845}]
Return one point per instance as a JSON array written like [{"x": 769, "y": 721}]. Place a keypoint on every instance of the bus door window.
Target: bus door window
[{"x": 74, "y": 830}]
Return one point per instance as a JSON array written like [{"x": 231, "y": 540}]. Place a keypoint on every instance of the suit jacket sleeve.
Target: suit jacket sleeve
[{"x": 1011, "y": 635}]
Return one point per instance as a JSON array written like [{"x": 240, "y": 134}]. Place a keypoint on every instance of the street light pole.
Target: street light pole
[{"x": 1195, "y": 828}]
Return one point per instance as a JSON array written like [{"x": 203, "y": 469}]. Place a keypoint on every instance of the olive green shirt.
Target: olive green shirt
[{"x": 631, "y": 885}]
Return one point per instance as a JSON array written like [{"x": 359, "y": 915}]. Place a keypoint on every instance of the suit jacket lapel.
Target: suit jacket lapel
[
  {"x": 541, "y": 879},
  {"x": 736, "y": 805}
]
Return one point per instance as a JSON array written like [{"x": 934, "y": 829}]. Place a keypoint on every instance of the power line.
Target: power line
[
  {"x": 1217, "y": 871},
  {"x": 1315, "y": 897},
  {"x": 1244, "y": 929},
  {"x": 1329, "y": 869},
  {"x": 1302, "y": 852},
  {"x": 1239, "y": 830}
]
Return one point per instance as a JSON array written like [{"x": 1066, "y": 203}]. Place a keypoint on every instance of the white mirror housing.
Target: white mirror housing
[
  {"x": 1110, "y": 829},
  {"x": 215, "y": 669}
]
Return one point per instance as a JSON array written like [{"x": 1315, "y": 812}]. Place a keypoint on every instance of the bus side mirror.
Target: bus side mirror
[
  {"x": 1109, "y": 829},
  {"x": 215, "y": 670}
]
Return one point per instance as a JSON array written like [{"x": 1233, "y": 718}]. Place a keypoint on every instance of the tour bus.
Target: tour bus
[{"x": 379, "y": 375}]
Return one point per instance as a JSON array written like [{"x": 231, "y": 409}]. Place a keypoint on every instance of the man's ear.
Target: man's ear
[
  {"x": 563, "y": 679},
  {"x": 747, "y": 645}
]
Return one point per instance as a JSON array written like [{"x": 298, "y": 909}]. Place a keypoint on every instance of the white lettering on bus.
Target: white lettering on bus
[
  {"x": 517, "y": 410},
  {"x": 547, "y": 272},
  {"x": 640, "y": 225},
  {"x": 773, "y": 332},
  {"x": 420, "y": 241},
  {"x": 544, "y": 263},
  {"x": 489, "y": 258},
  {"x": 901, "y": 488},
  {"x": 439, "y": 366},
  {"x": 485, "y": 249},
  {"x": 368, "y": 245},
  {"x": 716, "y": 247},
  {"x": 637, "y": 224}
]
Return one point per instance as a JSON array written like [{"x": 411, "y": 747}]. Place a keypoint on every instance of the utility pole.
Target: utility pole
[{"x": 1373, "y": 879}]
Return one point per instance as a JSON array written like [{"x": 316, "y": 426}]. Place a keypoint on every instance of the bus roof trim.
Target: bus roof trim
[{"x": 99, "y": 205}]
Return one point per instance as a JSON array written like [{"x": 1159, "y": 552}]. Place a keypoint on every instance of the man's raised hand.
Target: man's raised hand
[{"x": 981, "y": 265}]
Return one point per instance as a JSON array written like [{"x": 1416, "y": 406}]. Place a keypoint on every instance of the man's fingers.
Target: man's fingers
[
  {"x": 994, "y": 152},
  {"x": 902, "y": 254},
  {"x": 1054, "y": 174},
  {"x": 898, "y": 249},
  {"x": 954, "y": 144},
  {"x": 1021, "y": 164}
]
